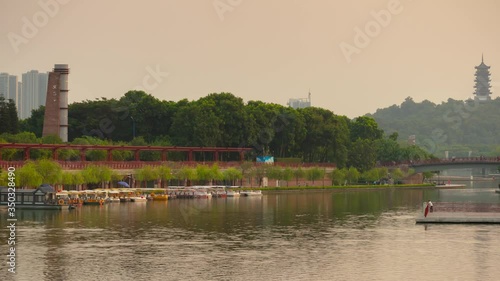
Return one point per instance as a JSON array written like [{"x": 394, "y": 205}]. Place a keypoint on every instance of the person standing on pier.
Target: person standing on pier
[{"x": 431, "y": 206}]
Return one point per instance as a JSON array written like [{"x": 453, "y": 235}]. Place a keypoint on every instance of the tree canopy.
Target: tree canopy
[{"x": 222, "y": 120}]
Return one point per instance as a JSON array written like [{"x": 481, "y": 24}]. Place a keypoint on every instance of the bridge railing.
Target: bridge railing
[
  {"x": 132, "y": 165},
  {"x": 479, "y": 159}
]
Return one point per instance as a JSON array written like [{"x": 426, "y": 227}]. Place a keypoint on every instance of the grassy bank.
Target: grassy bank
[{"x": 336, "y": 187}]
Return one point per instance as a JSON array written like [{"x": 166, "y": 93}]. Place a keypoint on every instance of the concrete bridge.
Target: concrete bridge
[{"x": 492, "y": 163}]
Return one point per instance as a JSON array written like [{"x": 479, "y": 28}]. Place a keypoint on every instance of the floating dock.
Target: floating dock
[
  {"x": 460, "y": 217},
  {"x": 475, "y": 213},
  {"x": 450, "y": 185}
]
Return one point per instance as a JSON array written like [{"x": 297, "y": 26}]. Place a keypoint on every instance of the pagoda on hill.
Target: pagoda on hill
[{"x": 482, "y": 85}]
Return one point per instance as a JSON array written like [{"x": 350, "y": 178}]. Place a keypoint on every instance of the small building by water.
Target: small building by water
[{"x": 42, "y": 197}]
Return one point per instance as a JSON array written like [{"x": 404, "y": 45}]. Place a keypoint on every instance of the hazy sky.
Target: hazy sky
[{"x": 268, "y": 50}]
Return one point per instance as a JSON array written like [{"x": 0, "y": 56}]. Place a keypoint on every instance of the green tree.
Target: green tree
[
  {"x": 9, "y": 122},
  {"x": 164, "y": 174},
  {"x": 287, "y": 175},
  {"x": 388, "y": 150},
  {"x": 186, "y": 174},
  {"x": 261, "y": 128},
  {"x": 49, "y": 170},
  {"x": 314, "y": 174},
  {"x": 362, "y": 155},
  {"x": 145, "y": 174},
  {"x": 327, "y": 137},
  {"x": 34, "y": 123},
  {"x": 246, "y": 170},
  {"x": 91, "y": 175},
  {"x": 352, "y": 175},
  {"x": 28, "y": 176},
  {"x": 67, "y": 178},
  {"x": 290, "y": 132},
  {"x": 298, "y": 174},
  {"x": 338, "y": 176},
  {"x": 275, "y": 173},
  {"x": 427, "y": 175},
  {"x": 397, "y": 174},
  {"x": 365, "y": 128},
  {"x": 232, "y": 175},
  {"x": 196, "y": 124},
  {"x": 216, "y": 174},
  {"x": 232, "y": 118},
  {"x": 261, "y": 172},
  {"x": 382, "y": 172},
  {"x": 92, "y": 155},
  {"x": 203, "y": 173},
  {"x": 370, "y": 175},
  {"x": 105, "y": 175},
  {"x": 78, "y": 179}
]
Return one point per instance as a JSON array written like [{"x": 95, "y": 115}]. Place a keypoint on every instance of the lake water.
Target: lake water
[{"x": 313, "y": 235}]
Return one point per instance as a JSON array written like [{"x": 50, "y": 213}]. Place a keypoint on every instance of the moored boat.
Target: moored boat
[
  {"x": 202, "y": 193},
  {"x": 159, "y": 197},
  {"x": 138, "y": 198},
  {"x": 219, "y": 194},
  {"x": 125, "y": 194},
  {"x": 74, "y": 198},
  {"x": 232, "y": 193},
  {"x": 114, "y": 196},
  {"x": 92, "y": 197}
]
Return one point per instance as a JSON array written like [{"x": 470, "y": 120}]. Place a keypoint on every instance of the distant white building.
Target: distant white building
[
  {"x": 13, "y": 88},
  {"x": 300, "y": 103},
  {"x": 4, "y": 85},
  {"x": 9, "y": 87},
  {"x": 34, "y": 92}
]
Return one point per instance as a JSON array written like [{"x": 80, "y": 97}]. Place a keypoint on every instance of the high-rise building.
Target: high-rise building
[
  {"x": 8, "y": 86},
  {"x": 13, "y": 89},
  {"x": 43, "y": 79},
  {"x": 34, "y": 91},
  {"x": 4, "y": 85},
  {"x": 19, "y": 97},
  {"x": 482, "y": 82}
]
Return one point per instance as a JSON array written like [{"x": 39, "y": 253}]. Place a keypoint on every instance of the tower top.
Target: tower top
[
  {"x": 482, "y": 82},
  {"x": 482, "y": 65}
]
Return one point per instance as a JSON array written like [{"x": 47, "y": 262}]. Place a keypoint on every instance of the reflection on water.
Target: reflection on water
[{"x": 315, "y": 235}]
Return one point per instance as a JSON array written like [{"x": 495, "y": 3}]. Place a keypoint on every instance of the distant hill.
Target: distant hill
[{"x": 455, "y": 126}]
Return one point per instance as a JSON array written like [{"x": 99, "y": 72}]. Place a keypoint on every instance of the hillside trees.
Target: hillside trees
[{"x": 456, "y": 126}]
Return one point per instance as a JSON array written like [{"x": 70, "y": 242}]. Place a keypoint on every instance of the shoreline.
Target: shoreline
[{"x": 342, "y": 188}]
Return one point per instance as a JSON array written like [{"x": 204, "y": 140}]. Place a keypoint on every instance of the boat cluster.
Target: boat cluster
[{"x": 117, "y": 195}]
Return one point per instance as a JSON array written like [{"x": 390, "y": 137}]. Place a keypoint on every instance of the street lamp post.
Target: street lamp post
[{"x": 133, "y": 127}]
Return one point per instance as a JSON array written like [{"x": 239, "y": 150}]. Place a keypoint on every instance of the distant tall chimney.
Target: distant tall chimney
[{"x": 56, "y": 104}]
